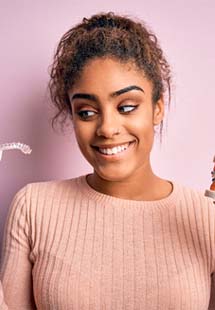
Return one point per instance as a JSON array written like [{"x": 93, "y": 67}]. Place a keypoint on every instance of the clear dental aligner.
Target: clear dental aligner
[
  {"x": 24, "y": 148},
  {"x": 211, "y": 192}
]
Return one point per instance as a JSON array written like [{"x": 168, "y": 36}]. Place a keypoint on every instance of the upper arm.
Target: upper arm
[
  {"x": 16, "y": 267},
  {"x": 2, "y": 302},
  {"x": 212, "y": 294}
]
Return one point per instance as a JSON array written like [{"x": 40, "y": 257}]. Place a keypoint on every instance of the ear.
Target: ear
[{"x": 158, "y": 112}]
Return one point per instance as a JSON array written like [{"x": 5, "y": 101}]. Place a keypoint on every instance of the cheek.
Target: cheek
[
  {"x": 142, "y": 126},
  {"x": 83, "y": 133},
  {"x": 143, "y": 129}
]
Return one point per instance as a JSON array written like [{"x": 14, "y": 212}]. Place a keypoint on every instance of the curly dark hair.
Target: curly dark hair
[{"x": 106, "y": 35}]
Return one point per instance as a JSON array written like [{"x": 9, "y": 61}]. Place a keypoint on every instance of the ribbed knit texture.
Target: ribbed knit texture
[
  {"x": 2, "y": 302},
  {"x": 67, "y": 246}
]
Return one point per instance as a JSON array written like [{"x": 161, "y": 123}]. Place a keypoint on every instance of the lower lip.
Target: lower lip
[{"x": 116, "y": 156}]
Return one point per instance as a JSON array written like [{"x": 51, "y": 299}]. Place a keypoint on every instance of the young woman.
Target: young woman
[{"x": 120, "y": 237}]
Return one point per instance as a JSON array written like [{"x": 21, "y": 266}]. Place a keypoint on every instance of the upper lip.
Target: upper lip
[{"x": 110, "y": 146}]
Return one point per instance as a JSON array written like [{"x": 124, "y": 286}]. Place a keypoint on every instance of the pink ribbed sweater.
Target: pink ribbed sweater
[{"x": 67, "y": 246}]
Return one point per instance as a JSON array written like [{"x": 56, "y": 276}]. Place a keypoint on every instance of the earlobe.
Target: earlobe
[{"x": 158, "y": 112}]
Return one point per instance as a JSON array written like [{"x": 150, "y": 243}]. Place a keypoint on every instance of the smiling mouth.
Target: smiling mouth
[{"x": 114, "y": 150}]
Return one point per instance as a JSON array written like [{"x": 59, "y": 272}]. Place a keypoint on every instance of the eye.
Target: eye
[
  {"x": 86, "y": 114},
  {"x": 127, "y": 108}
]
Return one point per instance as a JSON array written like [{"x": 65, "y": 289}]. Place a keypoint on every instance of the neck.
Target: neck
[{"x": 135, "y": 187}]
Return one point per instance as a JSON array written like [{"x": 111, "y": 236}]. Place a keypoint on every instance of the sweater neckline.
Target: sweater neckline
[{"x": 101, "y": 198}]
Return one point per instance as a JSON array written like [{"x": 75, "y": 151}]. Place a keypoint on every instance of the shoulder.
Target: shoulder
[
  {"x": 37, "y": 204},
  {"x": 195, "y": 199},
  {"x": 51, "y": 189},
  {"x": 34, "y": 197}
]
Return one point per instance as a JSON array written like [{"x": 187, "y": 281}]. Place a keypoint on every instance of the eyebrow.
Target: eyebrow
[{"x": 112, "y": 95}]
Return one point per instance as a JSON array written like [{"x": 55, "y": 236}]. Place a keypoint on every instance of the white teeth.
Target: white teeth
[{"x": 114, "y": 150}]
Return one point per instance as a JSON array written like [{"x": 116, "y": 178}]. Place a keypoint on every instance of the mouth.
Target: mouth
[{"x": 113, "y": 151}]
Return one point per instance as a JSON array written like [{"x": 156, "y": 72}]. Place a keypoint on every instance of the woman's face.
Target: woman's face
[{"x": 114, "y": 118}]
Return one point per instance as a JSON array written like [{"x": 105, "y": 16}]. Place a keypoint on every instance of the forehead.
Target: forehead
[{"x": 108, "y": 74}]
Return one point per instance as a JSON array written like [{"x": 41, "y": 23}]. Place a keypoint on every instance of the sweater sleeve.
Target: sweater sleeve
[
  {"x": 212, "y": 294},
  {"x": 2, "y": 303},
  {"x": 212, "y": 297},
  {"x": 16, "y": 267}
]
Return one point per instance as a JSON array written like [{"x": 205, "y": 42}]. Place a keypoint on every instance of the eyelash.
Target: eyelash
[{"x": 86, "y": 117}]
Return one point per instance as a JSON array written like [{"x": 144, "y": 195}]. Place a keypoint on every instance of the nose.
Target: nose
[{"x": 108, "y": 126}]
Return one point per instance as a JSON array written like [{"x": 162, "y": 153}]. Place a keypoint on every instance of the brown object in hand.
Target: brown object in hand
[
  {"x": 212, "y": 187},
  {"x": 211, "y": 192}
]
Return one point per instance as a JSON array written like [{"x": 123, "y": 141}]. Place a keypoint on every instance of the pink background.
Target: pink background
[{"x": 29, "y": 32}]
